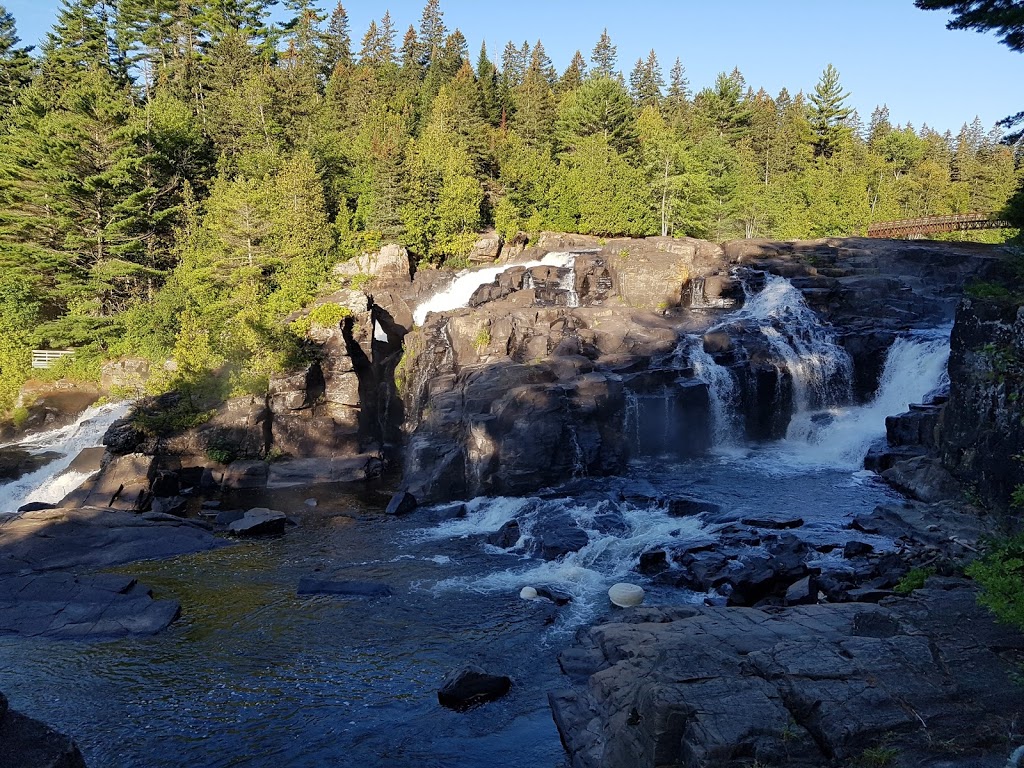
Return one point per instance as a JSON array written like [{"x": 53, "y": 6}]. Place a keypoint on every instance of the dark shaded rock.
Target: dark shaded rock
[
  {"x": 35, "y": 506},
  {"x": 685, "y": 507},
  {"x": 28, "y": 743},
  {"x": 311, "y": 585},
  {"x": 854, "y": 549},
  {"x": 773, "y": 523},
  {"x": 556, "y": 596},
  {"x": 259, "y": 521},
  {"x": 227, "y": 516},
  {"x": 556, "y": 536},
  {"x": 653, "y": 561},
  {"x": 165, "y": 483},
  {"x": 401, "y": 503},
  {"x": 507, "y": 536},
  {"x": 16, "y": 462},
  {"x": 469, "y": 686},
  {"x": 923, "y": 478},
  {"x": 802, "y": 592},
  {"x": 805, "y": 686},
  {"x": 176, "y": 505},
  {"x": 123, "y": 437}
]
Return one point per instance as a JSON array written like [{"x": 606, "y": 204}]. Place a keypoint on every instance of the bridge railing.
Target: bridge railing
[
  {"x": 926, "y": 224},
  {"x": 45, "y": 358}
]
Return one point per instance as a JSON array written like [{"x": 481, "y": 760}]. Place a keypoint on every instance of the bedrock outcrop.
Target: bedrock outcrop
[
  {"x": 924, "y": 680},
  {"x": 492, "y": 392}
]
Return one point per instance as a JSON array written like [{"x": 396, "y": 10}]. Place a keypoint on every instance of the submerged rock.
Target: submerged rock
[
  {"x": 312, "y": 585},
  {"x": 259, "y": 521},
  {"x": 469, "y": 686}
]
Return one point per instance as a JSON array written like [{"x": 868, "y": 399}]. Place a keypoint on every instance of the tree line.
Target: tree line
[{"x": 178, "y": 176}]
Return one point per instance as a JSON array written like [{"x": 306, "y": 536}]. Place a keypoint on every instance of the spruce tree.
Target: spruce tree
[
  {"x": 338, "y": 40},
  {"x": 573, "y": 76},
  {"x": 604, "y": 57},
  {"x": 600, "y": 107}
]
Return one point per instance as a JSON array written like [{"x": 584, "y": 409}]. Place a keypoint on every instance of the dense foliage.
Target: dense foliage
[
  {"x": 177, "y": 177},
  {"x": 1000, "y": 574}
]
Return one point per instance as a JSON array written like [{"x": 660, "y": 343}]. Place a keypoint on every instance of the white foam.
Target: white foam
[
  {"x": 466, "y": 282},
  {"x": 50, "y": 483}
]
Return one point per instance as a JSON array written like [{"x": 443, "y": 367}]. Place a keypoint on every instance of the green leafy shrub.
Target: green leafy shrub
[
  {"x": 914, "y": 579},
  {"x": 1000, "y": 574},
  {"x": 19, "y": 416},
  {"x": 482, "y": 340},
  {"x": 360, "y": 281},
  {"x": 321, "y": 316}
]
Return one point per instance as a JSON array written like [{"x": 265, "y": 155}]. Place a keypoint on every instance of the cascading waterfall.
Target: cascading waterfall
[
  {"x": 461, "y": 290},
  {"x": 821, "y": 371},
  {"x": 722, "y": 390},
  {"x": 50, "y": 483},
  {"x": 915, "y": 365}
]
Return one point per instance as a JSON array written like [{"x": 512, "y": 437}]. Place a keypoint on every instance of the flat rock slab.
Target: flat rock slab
[
  {"x": 63, "y": 605},
  {"x": 28, "y": 743},
  {"x": 928, "y": 676},
  {"x": 312, "y": 471},
  {"x": 259, "y": 521},
  {"x": 310, "y": 585},
  {"x": 91, "y": 537}
]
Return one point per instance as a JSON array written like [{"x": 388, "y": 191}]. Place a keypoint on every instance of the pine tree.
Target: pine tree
[
  {"x": 573, "y": 76},
  {"x": 534, "y": 117},
  {"x": 678, "y": 96},
  {"x": 828, "y": 113},
  {"x": 604, "y": 57},
  {"x": 879, "y": 126},
  {"x": 600, "y": 107},
  {"x": 487, "y": 77},
  {"x": 646, "y": 82}
]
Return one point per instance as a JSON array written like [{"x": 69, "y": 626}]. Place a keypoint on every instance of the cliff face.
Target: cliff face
[{"x": 982, "y": 425}]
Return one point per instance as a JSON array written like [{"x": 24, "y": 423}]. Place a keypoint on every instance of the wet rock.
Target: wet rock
[
  {"x": 16, "y": 462},
  {"x": 507, "y": 536},
  {"x": 35, "y": 506},
  {"x": 773, "y": 523},
  {"x": 312, "y": 585},
  {"x": 259, "y": 521},
  {"x": 315, "y": 470},
  {"x": 62, "y": 605},
  {"x": 94, "y": 538},
  {"x": 401, "y": 503},
  {"x": 685, "y": 507},
  {"x": 28, "y": 743},
  {"x": 555, "y": 595},
  {"x": 653, "y": 561},
  {"x": 470, "y": 686},
  {"x": 626, "y": 595},
  {"x": 923, "y": 478},
  {"x": 123, "y": 437},
  {"x": 165, "y": 483},
  {"x": 556, "y": 536},
  {"x": 245, "y": 474}
]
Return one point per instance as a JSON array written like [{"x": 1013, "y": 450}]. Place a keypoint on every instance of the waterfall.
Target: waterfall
[
  {"x": 722, "y": 390},
  {"x": 821, "y": 371},
  {"x": 458, "y": 294},
  {"x": 50, "y": 483},
  {"x": 915, "y": 365}
]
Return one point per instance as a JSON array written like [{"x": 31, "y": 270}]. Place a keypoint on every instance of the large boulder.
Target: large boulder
[
  {"x": 391, "y": 262},
  {"x": 259, "y": 521},
  {"x": 470, "y": 686}
]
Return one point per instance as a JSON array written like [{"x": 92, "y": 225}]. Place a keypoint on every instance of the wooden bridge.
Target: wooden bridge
[{"x": 926, "y": 225}]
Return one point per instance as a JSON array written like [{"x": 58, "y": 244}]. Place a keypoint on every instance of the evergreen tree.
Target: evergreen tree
[
  {"x": 677, "y": 98},
  {"x": 573, "y": 76},
  {"x": 604, "y": 57},
  {"x": 15, "y": 64},
  {"x": 487, "y": 77},
  {"x": 828, "y": 113},
  {"x": 600, "y": 107},
  {"x": 534, "y": 117},
  {"x": 338, "y": 40},
  {"x": 432, "y": 33},
  {"x": 646, "y": 82}
]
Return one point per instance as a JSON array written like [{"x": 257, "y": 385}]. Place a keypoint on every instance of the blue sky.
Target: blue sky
[{"x": 887, "y": 51}]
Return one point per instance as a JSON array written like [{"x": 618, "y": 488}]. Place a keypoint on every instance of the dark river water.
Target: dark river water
[{"x": 254, "y": 675}]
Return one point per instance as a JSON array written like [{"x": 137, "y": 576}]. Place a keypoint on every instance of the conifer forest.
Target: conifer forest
[{"x": 177, "y": 177}]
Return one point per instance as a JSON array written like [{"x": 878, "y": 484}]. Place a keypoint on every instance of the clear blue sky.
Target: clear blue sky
[{"x": 887, "y": 51}]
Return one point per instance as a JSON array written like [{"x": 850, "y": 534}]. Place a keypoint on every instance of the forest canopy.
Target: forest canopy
[{"x": 177, "y": 177}]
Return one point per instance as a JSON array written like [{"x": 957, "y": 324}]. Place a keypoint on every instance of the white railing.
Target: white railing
[{"x": 44, "y": 358}]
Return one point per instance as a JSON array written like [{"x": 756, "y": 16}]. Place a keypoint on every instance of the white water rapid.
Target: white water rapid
[
  {"x": 466, "y": 282},
  {"x": 51, "y": 483}
]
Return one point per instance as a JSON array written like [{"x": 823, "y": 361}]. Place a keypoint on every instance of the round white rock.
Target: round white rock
[
  {"x": 528, "y": 593},
  {"x": 626, "y": 595}
]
